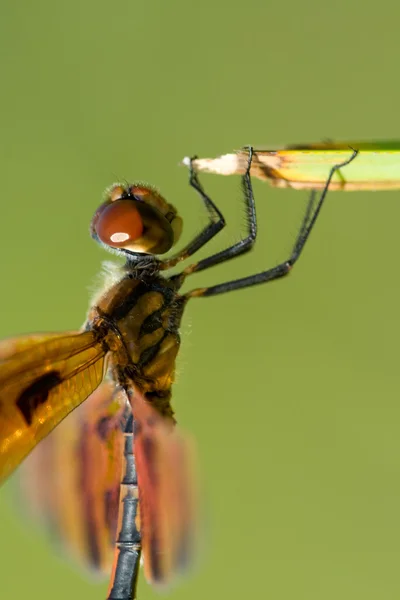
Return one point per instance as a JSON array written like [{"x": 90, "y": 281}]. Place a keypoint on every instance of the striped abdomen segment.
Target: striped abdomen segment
[{"x": 128, "y": 544}]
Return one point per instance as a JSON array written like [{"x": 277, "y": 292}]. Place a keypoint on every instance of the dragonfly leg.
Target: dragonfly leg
[
  {"x": 244, "y": 245},
  {"x": 285, "y": 267},
  {"x": 217, "y": 222}
]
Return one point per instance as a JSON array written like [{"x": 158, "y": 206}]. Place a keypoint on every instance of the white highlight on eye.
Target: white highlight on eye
[{"x": 119, "y": 237}]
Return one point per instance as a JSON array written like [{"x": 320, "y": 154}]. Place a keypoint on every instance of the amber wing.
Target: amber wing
[
  {"x": 71, "y": 481},
  {"x": 42, "y": 379},
  {"x": 168, "y": 503}
]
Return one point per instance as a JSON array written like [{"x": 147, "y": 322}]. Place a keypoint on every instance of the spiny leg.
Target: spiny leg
[
  {"x": 245, "y": 244},
  {"x": 217, "y": 222},
  {"x": 308, "y": 213},
  {"x": 283, "y": 268}
]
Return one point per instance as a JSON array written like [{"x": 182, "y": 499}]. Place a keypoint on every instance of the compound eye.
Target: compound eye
[{"x": 119, "y": 224}]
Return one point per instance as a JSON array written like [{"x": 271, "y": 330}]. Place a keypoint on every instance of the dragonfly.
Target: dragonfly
[
  {"x": 115, "y": 478},
  {"x": 305, "y": 166}
]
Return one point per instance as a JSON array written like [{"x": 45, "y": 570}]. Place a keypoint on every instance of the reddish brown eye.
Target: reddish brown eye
[{"x": 119, "y": 224}]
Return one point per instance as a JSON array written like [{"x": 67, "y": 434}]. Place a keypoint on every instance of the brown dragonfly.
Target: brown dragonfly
[{"x": 115, "y": 478}]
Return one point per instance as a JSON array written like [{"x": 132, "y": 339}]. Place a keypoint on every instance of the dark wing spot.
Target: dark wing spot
[
  {"x": 157, "y": 571},
  {"x": 150, "y": 452},
  {"x": 111, "y": 504},
  {"x": 103, "y": 428},
  {"x": 36, "y": 394}
]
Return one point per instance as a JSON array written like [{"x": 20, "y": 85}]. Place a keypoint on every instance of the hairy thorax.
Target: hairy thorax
[{"x": 144, "y": 313}]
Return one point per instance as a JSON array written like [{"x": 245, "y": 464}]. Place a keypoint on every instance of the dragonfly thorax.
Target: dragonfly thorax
[{"x": 142, "y": 316}]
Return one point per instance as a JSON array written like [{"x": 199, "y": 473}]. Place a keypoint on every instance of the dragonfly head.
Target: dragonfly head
[{"x": 136, "y": 219}]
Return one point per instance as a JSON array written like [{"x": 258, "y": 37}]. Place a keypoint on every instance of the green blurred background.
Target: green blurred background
[{"x": 292, "y": 389}]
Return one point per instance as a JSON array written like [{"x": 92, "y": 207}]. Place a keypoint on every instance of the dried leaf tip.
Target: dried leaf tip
[{"x": 227, "y": 164}]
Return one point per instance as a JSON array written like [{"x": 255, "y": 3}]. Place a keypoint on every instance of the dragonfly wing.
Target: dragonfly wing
[
  {"x": 167, "y": 493},
  {"x": 42, "y": 379},
  {"x": 72, "y": 479}
]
